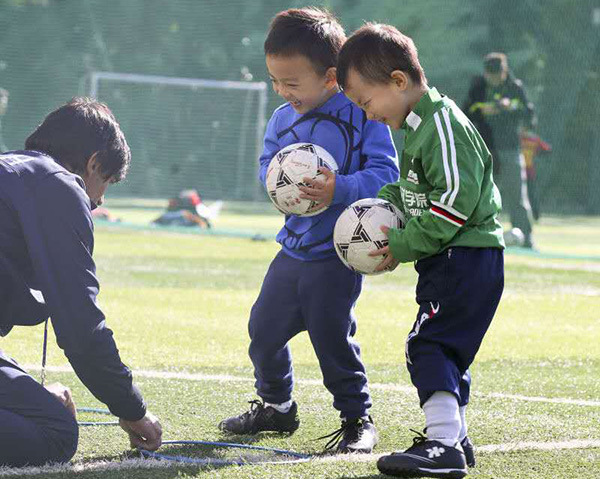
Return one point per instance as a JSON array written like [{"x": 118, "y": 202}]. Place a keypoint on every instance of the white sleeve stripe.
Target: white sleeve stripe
[
  {"x": 440, "y": 131},
  {"x": 450, "y": 210},
  {"x": 452, "y": 156},
  {"x": 449, "y": 220}
]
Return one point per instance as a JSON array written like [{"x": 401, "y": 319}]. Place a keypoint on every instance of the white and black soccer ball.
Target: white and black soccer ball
[
  {"x": 286, "y": 174},
  {"x": 514, "y": 237},
  {"x": 358, "y": 232}
]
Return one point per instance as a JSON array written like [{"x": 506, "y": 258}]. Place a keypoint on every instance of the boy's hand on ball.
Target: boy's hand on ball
[
  {"x": 145, "y": 433},
  {"x": 389, "y": 263},
  {"x": 318, "y": 190}
]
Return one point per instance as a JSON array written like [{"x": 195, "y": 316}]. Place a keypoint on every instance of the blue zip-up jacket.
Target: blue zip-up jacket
[
  {"x": 47, "y": 270},
  {"x": 365, "y": 154}
]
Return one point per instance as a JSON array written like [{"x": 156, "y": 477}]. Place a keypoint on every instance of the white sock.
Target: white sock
[
  {"x": 282, "y": 407},
  {"x": 364, "y": 418},
  {"x": 463, "y": 423},
  {"x": 442, "y": 418}
]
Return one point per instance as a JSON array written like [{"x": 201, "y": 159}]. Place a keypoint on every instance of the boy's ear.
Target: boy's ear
[
  {"x": 400, "y": 79},
  {"x": 331, "y": 77}
]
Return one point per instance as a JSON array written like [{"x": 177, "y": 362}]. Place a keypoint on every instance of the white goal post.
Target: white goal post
[{"x": 261, "y": 89}]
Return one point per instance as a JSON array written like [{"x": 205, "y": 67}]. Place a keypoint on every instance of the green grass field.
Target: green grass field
[{"x": 178, "y": 304}]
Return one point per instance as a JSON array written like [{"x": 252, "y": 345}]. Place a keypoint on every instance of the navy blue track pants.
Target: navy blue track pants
[
  {"x": 313, "y": 296},
  {"x": 35, "y": 428},
  {"x": 458, "y": 292}
]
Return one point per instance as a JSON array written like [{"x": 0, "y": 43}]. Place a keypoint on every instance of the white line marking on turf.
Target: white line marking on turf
[
  {"x": 88, "y": 466},
  {"x": 539, "y": 446},
  {"x": 156, "y": 464},
  {"x": 575, "y": 402},
  {"x": 316, "y": 382}
]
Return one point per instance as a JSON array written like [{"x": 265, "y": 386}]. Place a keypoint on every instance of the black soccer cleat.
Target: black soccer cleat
[
  {"x": 356, "y": 435},
  {"x": 425, "y": 458},
  {"x": 467, "y": 446},
  {"x": 262, "y": 418}
]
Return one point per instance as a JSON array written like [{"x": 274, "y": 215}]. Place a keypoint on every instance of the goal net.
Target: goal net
[{"x": 187, "y": 133}]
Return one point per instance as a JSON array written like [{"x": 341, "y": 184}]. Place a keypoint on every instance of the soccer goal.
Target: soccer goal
[{"x": 187, "y": 133}]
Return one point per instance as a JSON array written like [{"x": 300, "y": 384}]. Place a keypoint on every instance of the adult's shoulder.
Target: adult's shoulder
[
  {"x": 61, "y": 194},
  {"x": 40, "y": 175},
  {"x": 64, "y": 189}
]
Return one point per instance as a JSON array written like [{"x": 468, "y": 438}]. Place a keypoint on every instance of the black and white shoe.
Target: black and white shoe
[
  {"x": 467, "y": 446},
  {"x": 355, "y": 435},
  {"x": 425, "y": 458},
  {"x": 262, "y": 418}
]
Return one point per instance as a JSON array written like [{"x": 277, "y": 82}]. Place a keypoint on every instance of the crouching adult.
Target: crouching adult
[{"x": 47, "y": 193}]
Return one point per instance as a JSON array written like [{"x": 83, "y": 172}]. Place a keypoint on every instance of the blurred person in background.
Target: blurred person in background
[{"x": 499, "y": 108}]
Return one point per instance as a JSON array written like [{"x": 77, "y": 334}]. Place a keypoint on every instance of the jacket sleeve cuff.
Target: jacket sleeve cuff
[
  {"x": 397, "y": 246},
  {"x": 342, "y": 190},
  {"x": 132, "y": 410}
]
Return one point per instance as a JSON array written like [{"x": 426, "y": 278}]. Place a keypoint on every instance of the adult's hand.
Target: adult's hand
[
  {"x": 63, "y": 394},
  {"x": 145, "y": 433}
]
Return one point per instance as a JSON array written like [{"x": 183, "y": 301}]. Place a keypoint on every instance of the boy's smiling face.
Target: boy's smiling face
[
  {"x": 295, "y": 79},
  {"x": 388, "y": 103}
]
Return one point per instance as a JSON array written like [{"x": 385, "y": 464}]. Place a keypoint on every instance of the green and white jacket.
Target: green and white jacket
[{"x": 446, "y": 189}]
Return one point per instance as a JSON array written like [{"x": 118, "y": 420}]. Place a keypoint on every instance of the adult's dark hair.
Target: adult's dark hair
[
  {"x": 72, "y": 133},
  {"x": 495, "y": 62},
  {"x": 375, "y": 50},
  {"x": 312, "y": 32}
]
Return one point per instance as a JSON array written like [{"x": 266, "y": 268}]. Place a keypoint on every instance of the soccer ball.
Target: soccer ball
[
  {"x": 514, "y": 237},
  {"x": 286, "y": 174},
  {"x": 358, "y": 232}
]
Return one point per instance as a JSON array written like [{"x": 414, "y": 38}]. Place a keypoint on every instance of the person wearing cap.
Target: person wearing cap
[{"x": 498, "y": 106}]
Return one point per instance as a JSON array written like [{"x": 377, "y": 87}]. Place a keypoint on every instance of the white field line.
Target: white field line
[
  {"x": 100, "y": 466},
  {"x": 316, "y": 382},
  {"x": 85, "y": 467}
]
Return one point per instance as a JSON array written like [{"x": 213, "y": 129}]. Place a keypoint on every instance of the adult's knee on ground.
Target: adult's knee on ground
[
  {"x": 28, "y": 441},
  {"x": 63, "y": 435},
  {"x": 35, "y": 427}
]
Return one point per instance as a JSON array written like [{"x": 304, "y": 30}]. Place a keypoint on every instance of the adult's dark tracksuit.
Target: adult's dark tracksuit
[{"x": 47, "y": 270}]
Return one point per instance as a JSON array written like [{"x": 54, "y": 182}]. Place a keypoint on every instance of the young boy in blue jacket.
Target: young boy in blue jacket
[{"x": 307, "y": 288}]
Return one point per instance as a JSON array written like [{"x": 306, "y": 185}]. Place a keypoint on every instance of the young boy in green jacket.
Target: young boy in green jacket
[{"x": 452, "y": 232}]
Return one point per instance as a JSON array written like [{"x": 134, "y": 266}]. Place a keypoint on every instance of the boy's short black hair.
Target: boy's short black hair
[
  {"x": 312, "y": 32},
  {"x": 72, "y": 133},
  {"x": 375, "y": 50},
  {"x": 495, "y": 62}
]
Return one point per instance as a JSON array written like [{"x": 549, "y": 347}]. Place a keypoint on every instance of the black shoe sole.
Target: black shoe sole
[
  {"x": 347, "y": 450},
  {"x": 408, "y": 473},
  {"x": 254, "y": 433},
  {"x": 290, "y": 430}
]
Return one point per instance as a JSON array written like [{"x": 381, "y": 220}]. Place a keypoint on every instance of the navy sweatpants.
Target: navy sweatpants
[
  {"x": 35, "y": 428},
  {"x": 313, "y": 296},
  {"x": 458, "y": 292}
]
